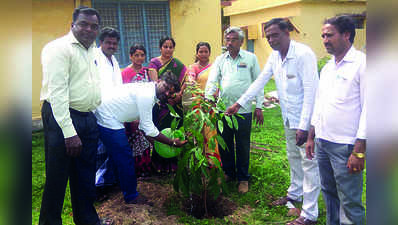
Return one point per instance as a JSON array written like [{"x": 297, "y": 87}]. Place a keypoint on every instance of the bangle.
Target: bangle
[
  {"x": 359, "y": 155},
  {"x": 174, "y": 143}
]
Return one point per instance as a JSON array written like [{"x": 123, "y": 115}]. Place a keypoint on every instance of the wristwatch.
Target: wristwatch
[{"x": 359, "y": 155}]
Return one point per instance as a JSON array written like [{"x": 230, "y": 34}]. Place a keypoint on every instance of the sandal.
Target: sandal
[
  {"x": 302, "y": 221},
  {"x": 106, "y": 221}
]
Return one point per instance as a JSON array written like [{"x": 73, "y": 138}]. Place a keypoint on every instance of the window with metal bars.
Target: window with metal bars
[{"x": 139, "y": 22}]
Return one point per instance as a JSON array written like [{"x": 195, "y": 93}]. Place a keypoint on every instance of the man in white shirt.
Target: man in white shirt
[
  {"x": 126, "y": 103},
  {"x": 107, "y": 64},
  {"x": 294, "y": 67},
  {"x": 110, "y": 76},
  {"x": 339, "y": 124}
]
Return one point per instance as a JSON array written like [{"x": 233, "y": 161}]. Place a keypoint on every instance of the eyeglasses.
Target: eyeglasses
[{"x": 231, "y": 40}]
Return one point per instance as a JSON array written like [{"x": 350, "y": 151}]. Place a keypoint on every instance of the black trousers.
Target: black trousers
[
  {"x": 60, "y": 167},
  {"x": 237, "y": 167}
]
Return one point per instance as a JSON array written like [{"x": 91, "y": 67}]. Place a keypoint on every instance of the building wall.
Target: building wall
[
  {"x": 319, "y": 12},
  {"x": 306, "y": 16},
  {"x": 261, "y": 46},
  {"x": 50, "y": 20},
  {"x": 246, "y": 6},
  {"x": 193, "y": 21}
]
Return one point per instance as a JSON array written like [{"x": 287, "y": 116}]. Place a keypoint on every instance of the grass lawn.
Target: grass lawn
[{"x": 269, "y": 171}]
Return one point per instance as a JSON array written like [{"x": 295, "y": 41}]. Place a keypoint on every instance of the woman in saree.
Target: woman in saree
[
  {"x": 161, "y": 114},
  {"x": 198, "y": 73},
  {"x": 199, "y": 70},
  {"x": 136, "y": 72}
]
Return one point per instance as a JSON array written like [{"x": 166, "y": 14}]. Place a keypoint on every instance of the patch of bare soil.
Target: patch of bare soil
[
  {"x": 239, "y": 215},
  {"x": 219, "y": 207},
  {"x": 121, "y": 213},
  {"x": 161, "y": 195}
]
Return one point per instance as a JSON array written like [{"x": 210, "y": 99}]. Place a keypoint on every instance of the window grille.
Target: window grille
[{"x": 139, "y": 22}]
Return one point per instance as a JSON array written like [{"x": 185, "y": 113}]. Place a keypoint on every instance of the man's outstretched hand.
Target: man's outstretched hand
[
  {"x": 178, "y": 143},
  {"x": 258, "y": 116},
  {"x": 233, "y": 109}
]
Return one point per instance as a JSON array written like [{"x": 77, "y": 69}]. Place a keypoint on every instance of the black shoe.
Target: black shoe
[{"x": 141, "y": 200}]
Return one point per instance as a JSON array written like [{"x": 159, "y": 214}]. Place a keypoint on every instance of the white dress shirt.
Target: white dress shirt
[
  {"x": 296, "y": 79},
  {"x": 109, "y": 72},
  {"x": 70, "y": 80},
  {"x": 126, "y": 103},
  {"x": 340, "y": 111}
]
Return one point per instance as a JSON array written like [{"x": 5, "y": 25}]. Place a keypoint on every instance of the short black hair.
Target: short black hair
[
  {"x": 136, "y": 47},
  {"x": 85, "y": 10},
  {"x": 171, "y": 79},
  {"x": 164, "y": 39},
  {"x": 343, "y": 23},
  {"x": 109, "y": 32},
  {"x": 200, "y": 44},
  {"x": 282, "y": 23}
]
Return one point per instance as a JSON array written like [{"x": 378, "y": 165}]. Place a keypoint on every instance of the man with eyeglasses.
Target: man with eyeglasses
[
  {"x": 233, "y": 72},
  {"x": 71, "y": 91}
]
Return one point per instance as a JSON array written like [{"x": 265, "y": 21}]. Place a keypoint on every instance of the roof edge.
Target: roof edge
[
  {"x": 266, "y": 6},
  {"x": 229, "y": 10}
]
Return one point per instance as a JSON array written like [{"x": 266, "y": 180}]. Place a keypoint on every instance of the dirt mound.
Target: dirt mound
[
  {"x": 115, "y": 207},
  {"x": 219, "y": 207},
  {"x": 162, "y": 195}
]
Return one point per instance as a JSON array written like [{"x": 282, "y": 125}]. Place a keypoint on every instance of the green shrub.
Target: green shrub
[{"x": 322, "y": 62}]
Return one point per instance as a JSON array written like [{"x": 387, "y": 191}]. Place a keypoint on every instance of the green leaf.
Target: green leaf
[
  {"x": 172, "y": 111},
  {"x": 221, "y": 142},
  {"x": 229, "y": 121},
  {"x": 199, "y": 164},
  {"x": 235, "y": 122},
  {"x": 173, "y": 124},
  {"x": 204, "y": 172},
  {"x": 208, "y": 122},
  {"x": 188, "y": 115},
  {"x": 202, "y": 122},
  {"x": 192, "y": 164},
  {"x": 198, "y": 154},
  {"x": 220, "y": 106},
  {"x": 220, "y": 126},
  {"x": 239, "y": 115},
  {"x": 211, "y": 143},
  {"x": 211, "y": 98},
  {"x": 182, "y": 129},
  {"x": 215, "y": 161}
]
